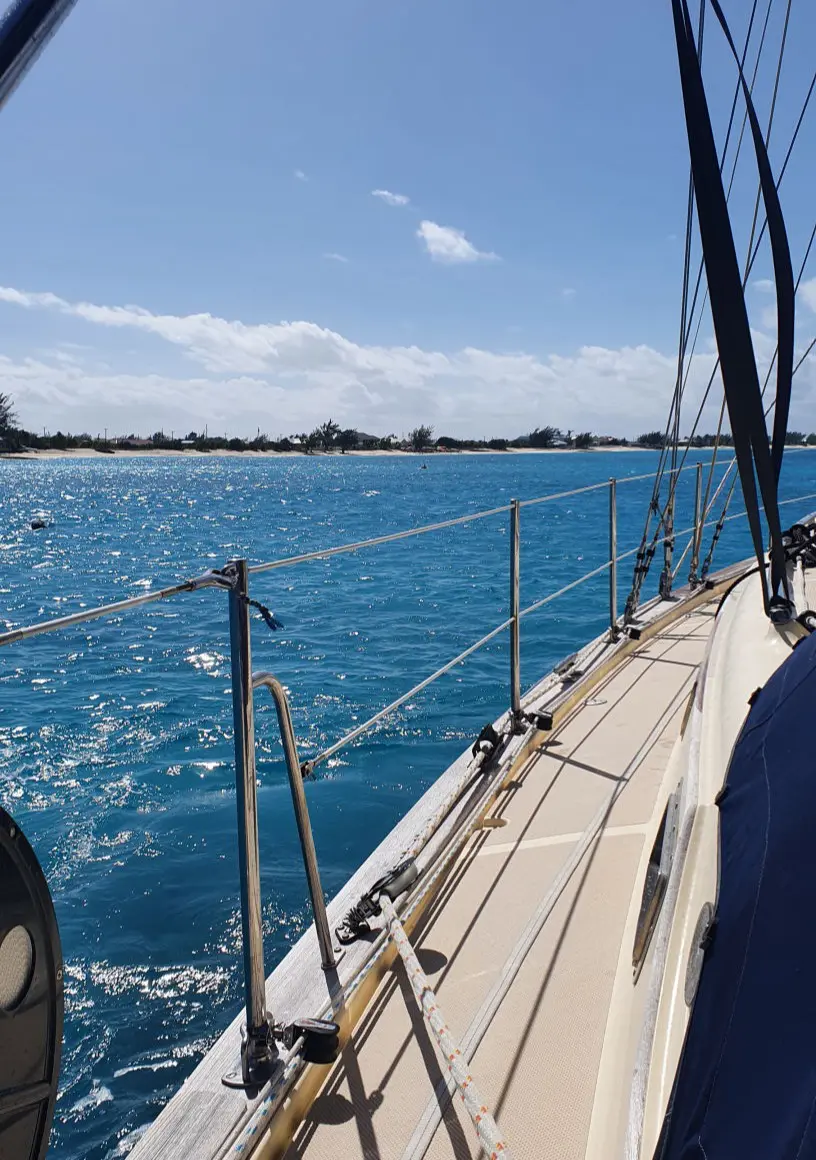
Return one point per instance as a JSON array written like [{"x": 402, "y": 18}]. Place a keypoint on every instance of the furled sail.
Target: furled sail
[
  {"x": 24, "y": 31},
  {"x": 758, "y": 463}
]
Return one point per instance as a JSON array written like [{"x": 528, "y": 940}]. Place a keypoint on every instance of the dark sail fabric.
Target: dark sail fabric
[
  {"x": 757, "y": 463},
  {"x": 746, "y": 1085}
]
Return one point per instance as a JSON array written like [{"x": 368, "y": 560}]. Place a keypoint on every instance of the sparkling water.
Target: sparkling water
[{"x": 115, "y": 736}]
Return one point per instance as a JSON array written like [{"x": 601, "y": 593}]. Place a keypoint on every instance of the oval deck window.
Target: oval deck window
[
  {"x": 16, "y": 967},
  {"x": 657, "y": 878}
]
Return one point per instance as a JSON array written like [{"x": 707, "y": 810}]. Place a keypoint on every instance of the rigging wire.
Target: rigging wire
[
  {"x": 664, "y": 513},
  {"x": 752, "y": 248},
  {"x": 737, "y": 153},
  {"x": 644, "y": 555},
  {"x": 797, "y": 366},
  {"x": 668, "y": 543},
  {"x": 757, "y": 244},
  {"x": 718, "y": 435},
  {"x": 758, "y": 464}
]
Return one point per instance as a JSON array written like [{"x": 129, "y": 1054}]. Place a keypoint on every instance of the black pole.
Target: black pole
[{"x": 25, "y": 29}]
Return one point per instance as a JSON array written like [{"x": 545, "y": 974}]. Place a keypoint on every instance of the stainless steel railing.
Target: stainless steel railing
[
  {"x": 215, "y": 578},
  {"x": 207, "y": 580},
  {"x": 515, "y": 616},
  {"x": 328, "y": 952},
  {"x": 310, "y": 765},
  {"x": 613, "y": 553},
  {"x": 259, "y": 1053}
]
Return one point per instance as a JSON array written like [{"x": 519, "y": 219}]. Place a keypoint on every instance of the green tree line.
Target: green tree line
[{"x": 331, "y": 437}]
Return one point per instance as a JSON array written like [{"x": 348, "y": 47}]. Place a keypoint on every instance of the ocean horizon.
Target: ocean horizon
[{"x": 116, "y": 736}]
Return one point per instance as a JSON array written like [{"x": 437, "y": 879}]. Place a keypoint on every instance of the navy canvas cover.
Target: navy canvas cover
[{"x": 746, "y": 1085}]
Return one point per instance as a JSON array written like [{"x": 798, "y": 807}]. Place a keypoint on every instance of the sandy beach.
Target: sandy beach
[{"x": 188, "y": 453}]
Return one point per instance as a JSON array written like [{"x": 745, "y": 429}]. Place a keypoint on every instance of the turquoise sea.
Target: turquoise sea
[{"x": 115, "y": 737}]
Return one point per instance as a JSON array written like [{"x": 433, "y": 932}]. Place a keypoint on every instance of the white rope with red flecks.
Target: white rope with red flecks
[{"x": 486, "y": 1127}]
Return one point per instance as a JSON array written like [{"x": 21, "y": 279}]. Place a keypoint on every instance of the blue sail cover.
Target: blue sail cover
[{"x": 746, "y": 1085}]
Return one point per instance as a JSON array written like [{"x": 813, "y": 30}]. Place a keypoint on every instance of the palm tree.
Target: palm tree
[
  {"x": 327, "y": 433},
  {"x": 8, "y": 418}
]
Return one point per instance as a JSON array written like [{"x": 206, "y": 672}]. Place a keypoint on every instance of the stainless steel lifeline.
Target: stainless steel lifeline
[
  {"x": 260, "y": 1059},
  {"x": 208, "y": 580},
  {"x": 214, "y": 578}
]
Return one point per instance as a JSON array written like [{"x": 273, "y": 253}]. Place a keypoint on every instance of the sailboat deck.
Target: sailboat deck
[{"x": 568, "y": 831}]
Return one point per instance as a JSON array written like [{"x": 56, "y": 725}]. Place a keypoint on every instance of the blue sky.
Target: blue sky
[{"x": 211, "y": 167}]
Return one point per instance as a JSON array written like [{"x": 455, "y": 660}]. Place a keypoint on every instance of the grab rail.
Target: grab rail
[{"x": 301, "y": 808}]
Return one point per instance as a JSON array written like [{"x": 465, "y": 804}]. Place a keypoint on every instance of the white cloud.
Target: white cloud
[
  {"x": 300, "y": 175},
  {"x": 807, "y": 293},
  {"x": 288, "y": 376},
  {"x": 568, "y": 292},
  {"x": 332, "y": 257},
  {"x": 806, "y": 296},
  {"x": 390, "y": 198},
  {"x": 446, "y": 244}
]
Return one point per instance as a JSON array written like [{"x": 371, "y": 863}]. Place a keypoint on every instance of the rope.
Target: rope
[
  {"x": 423, "y": 1133},
  {"x": 731, "y": 186},
  {"x": 769, "y": 372},
  {"x": 269, "y": 618},
  {"x": 271, "y": 1101},
  {"x": 486, "y": 1127}
]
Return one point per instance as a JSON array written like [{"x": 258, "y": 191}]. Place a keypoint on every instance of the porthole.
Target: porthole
[
  {"x": 657, "y": 877},
  {"x": 16, "y": 967}
]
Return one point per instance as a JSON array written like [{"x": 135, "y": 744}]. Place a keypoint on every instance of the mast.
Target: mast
[{"x": 25, "y": 29}]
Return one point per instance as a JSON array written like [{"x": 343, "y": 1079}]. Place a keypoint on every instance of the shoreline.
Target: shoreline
[{"x": 161, "y": 453}]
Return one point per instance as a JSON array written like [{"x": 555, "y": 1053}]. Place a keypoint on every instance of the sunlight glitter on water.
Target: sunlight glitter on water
[{"x": 116, "y": 743}]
